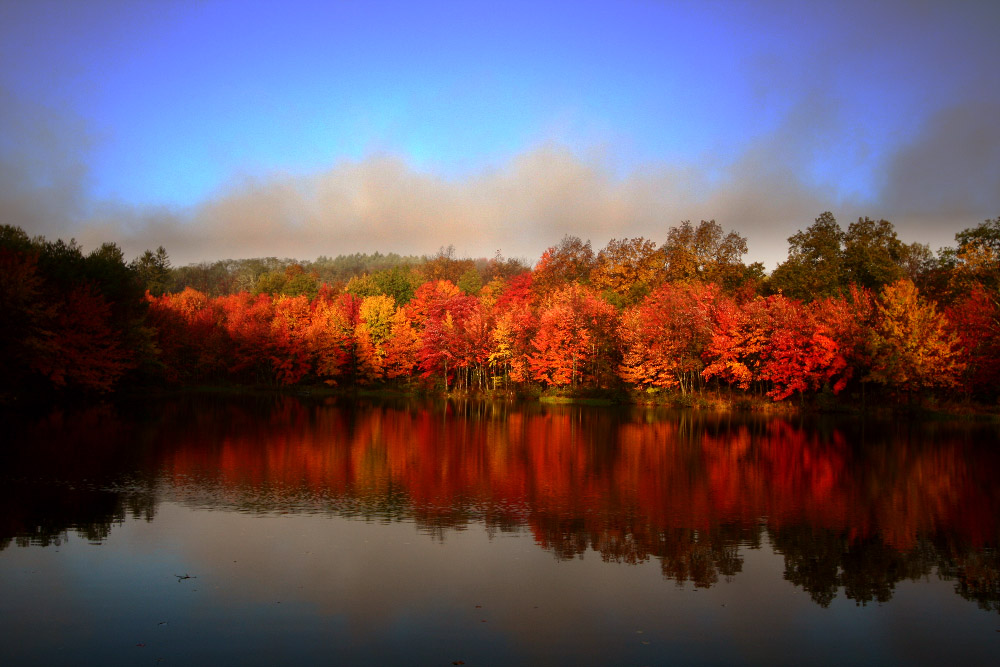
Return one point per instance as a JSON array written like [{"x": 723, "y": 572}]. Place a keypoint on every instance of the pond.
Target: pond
[{"x": 259, "y": 531}]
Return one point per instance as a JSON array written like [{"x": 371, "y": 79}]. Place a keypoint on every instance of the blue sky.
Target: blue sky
[{"x": 227, "y": 129}]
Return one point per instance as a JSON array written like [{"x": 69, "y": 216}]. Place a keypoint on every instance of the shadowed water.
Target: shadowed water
[{"x": 277, "y": 531}]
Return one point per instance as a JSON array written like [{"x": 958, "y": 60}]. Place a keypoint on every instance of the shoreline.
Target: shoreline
[{"x": 716, "y": 401}]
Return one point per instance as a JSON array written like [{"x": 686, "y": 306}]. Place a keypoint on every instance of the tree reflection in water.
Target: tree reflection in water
[{"x": 854, "y": 508}]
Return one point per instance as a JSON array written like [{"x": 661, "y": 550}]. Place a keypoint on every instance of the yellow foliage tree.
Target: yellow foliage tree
[{"x": 910, "y": 346}]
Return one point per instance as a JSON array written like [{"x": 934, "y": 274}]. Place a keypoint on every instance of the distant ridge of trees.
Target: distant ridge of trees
[{"x": 846, "y": 311}]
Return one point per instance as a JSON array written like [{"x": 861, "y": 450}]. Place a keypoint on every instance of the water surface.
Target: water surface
[{"x": 277, "y": 531}]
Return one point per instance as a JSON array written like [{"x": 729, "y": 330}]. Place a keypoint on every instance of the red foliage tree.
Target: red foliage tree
[
  {"x": 28, "y": 317},
  {"x": 246, "y": 321},
  {"x": 84, "y": 349},
  {"x": 975, "y": 319},
  {"x": 802, "y": 353},
  {"x": 664, "y": 337},
  {"x": 292, "y": 354},
  {"x": 739, "y": 339},
  {"x": 439, "y": 311},
  {"x": 192, "y": 345}
]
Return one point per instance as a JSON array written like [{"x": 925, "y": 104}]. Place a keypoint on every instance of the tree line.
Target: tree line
[{"x": 855, "y": 310}]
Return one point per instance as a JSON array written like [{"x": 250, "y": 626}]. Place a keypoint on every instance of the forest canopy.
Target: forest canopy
[{"x": 848, "y": 310}]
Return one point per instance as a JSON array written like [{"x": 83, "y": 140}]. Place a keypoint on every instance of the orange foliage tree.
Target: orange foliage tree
[
  {"x": 191, "y": 343},
  {"x": 401, "y": 348},
  {"x": 292, "y": 355},
  {"x": 246, "y": 321},
  {"x": 575, "y": 337},
  {"x": 570, "y": 261},
  {"x": 332, "y": 335}
]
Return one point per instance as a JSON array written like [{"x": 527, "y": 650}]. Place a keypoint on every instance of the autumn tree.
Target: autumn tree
[
  {"x": 193, "y": 346},
  {"x": 911, "y": 346},
  {"x": 401, "y": 348},
  {"x": 373, "y": 332},
  {"x": 628, "y": 269},
  {"x": 976, "y": 260},
  {"x": 511, "y": 346},
  {"x": 704, "y": 253},
  {"x": 332, "y": 335},
  {"x": 514, "y": 329},
  {"x": 28, "y": 317},
  {"x": 848, "y": 319},
  {"x": 504, "y": 267},
  {"x": 246, "y": 321},
  {"x": 571, "y": 260},
  {"x": 444, "y": 266},
  {"x": 664, "y": 337},
  {"x": 975, "y": 319},
  {"x": 740, "y": 333},
  {"x": 292, "y": 354},
  {"x": 85, "y": 310},
  {"x": 575, "y": 337},
  {"x": 802, "y": 352},
  {"x": 84, "y": 350},
  {"x": 439, "y": 310}
]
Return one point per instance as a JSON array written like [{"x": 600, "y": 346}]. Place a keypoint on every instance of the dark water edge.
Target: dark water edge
[{"x": 400, "y": 532}]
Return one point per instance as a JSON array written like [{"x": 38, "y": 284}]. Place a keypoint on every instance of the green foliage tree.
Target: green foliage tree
[
  {"x": 873, "y": 255},
  {"x": 400, "y": 283},
  {"x": 814, "y": 267},
  {"x": 986, "y": 233},
  {"x": 470, "y": 282},
  {"x": 153, "y": 271},
  {"x": 976, "y": 261},
  {"x": 292, "y": 281}
]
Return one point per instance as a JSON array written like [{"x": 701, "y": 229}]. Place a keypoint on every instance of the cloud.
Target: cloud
[
  {"x": 951, "y": 170},
  {"x": 43, "y": 168},
  {"x": 382, "y": 203},
  {"x": 521, "y": 207},
  {"x": 947, "y": 179}
]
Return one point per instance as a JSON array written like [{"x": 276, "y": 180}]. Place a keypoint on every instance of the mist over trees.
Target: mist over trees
[{"x": 853, "y": 310}]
